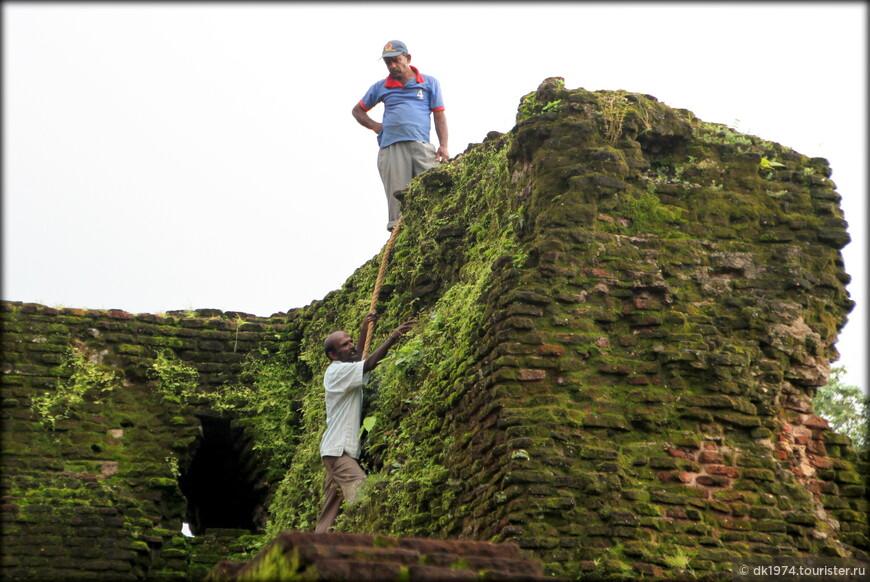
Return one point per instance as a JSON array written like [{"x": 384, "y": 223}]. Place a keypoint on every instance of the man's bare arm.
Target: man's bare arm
[
  {"x": 365, "y": 329},
  {"x": 442, "y": 155},
  {"x": 362, "y": 117},
  {"x": 381, "y": 351}
]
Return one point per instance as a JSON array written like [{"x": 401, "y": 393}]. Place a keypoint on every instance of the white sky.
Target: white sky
[{"x": 164, "y": 156}]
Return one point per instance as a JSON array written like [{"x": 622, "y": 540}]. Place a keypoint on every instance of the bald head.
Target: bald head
[
  {"x": 329, "y": 342},
  {"x": 339, "y": 346}
]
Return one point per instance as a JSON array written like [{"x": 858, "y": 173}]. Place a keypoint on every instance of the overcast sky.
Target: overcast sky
[{"x": 164, "y": 156}]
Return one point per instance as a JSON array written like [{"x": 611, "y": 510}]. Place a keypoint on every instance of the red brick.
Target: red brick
[
  {"x": 722, "y": 470},
  {"x": 676, "y": 512},
  {"x": 551, "y": 350},
  {"x": 685, "y": 477},
  {"x": 818, "y": 422},
  {"x": 669, "y": 476},
  {"x": 644, "y": 303},
  {"x": 118, "y": 314},
  {"x": 712, "y": 481},
  {"x": 817, "y": 448},
  {"x": 706, "y": 457},
  {"x": 681, "y": 454},
  {"x": 821, "y": 462}
]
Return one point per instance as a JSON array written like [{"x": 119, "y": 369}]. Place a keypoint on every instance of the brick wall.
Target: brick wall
[
  {"x": 625, "y": 313},
  {"x": 96, "y": 496}
]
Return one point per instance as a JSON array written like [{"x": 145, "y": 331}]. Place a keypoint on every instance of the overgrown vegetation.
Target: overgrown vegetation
[
  {"x": 411, "y": 392},
  {"x": 615, "y": 107},
  {"x": 87, "y": 380},
  {"x": 649, "y": 215},
  {"x": 470, "y": 225},
  {"x": 722, "y": 134},
  {"x": 266, "y": 401},
  {"x": 845, "y": 407},
  {"x": 568, "y": 371},
  {"x": 176, "y": 381},
  {"x": 531, "y": 105}
]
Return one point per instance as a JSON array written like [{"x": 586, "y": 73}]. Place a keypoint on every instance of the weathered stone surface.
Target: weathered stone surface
[
  {"x": 623, "y": 320},
  {"x": 99, "y": 484},
  {"x": 335, "y": 557}
]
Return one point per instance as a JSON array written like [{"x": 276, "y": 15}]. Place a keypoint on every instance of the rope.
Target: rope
[{"x": 384, "y": 258}]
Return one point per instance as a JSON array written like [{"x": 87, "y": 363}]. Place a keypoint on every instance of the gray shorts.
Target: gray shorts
[{"x": 398, "y": 163}]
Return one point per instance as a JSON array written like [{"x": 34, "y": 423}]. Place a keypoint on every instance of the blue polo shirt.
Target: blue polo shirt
[{"x": 406, "y": 108}]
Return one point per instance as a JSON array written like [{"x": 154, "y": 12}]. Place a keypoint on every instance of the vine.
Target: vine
[
  {"x": 87, "y": 378},
  {"x": 615, "y": 108},
  {"x": 176, "y": 381}
]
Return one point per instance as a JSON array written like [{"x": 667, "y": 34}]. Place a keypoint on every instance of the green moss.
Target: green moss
[
  {"x": 87, "y": 381},
  {"x": 608, "y": 298},
  {"x": 176, "y": 380},
  {"x": 531, "y": 105}
]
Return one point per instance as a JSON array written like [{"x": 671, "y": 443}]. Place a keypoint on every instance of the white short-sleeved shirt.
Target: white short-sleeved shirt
[{"x": 343, "y": 382}]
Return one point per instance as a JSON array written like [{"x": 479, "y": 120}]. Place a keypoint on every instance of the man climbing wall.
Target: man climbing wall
[{"x": 340, "y": 445}]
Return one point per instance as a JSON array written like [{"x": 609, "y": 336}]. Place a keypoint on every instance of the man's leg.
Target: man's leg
[
  {"x": 395, "y": 165},
  {"x": 349, "y": 476},
  {"x": 331, "y": 499},
  {"x": 422, "y": 157},
  {"x": 342, "y": 473}
]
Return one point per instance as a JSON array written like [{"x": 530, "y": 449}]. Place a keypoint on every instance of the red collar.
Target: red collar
[{"x": 393, "y": 84}]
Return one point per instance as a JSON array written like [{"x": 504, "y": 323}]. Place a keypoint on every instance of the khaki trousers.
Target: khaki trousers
[
  {"x": 398, "y": 163},
  {"x": 343, "y": 478}
]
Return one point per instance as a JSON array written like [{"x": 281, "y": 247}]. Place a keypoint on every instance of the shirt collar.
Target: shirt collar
[{"x": 393, "y": 84}]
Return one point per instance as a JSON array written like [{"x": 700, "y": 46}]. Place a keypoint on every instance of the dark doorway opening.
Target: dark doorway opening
[{"x": 219, "y": 485}]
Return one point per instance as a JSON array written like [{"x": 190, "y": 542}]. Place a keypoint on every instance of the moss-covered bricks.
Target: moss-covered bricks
[
  {"x": 624, "y": 313},
  {"x": 621, "y": 332},
  {"x": 309, "y": 556},
  {"x": 95, "y": 495}
]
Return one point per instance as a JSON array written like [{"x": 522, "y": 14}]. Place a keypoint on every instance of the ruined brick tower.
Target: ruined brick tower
[{"x": 625, "y": 312}]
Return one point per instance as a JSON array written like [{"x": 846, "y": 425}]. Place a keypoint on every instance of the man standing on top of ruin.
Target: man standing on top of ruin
[
  {"x": 340, "y": 446},
  {"x": 403, "y": 136}
]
